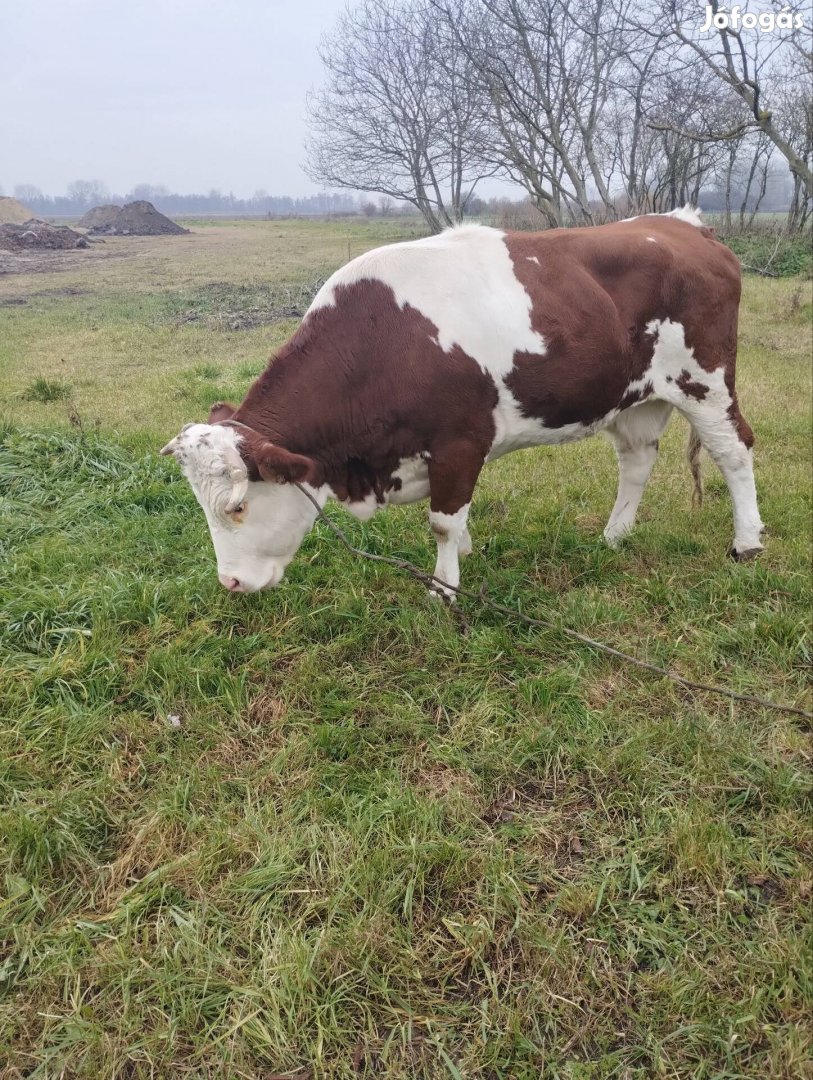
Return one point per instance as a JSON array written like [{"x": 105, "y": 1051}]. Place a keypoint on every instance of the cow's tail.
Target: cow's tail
[{"x": 693, "y": 448}]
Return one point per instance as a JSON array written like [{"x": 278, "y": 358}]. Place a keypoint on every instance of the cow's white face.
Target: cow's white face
[{"x": 256, "y": 525}]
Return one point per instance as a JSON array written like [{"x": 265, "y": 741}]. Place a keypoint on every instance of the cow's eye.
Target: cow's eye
[{"x": 237, "y": 509}]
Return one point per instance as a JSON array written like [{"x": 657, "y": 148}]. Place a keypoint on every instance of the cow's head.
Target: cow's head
[{"x": 246, "y": 485}]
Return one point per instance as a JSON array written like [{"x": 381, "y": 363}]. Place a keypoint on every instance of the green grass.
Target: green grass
[
  {"x": 383, "y": 840},
  {"x": 47, "y": 390}
]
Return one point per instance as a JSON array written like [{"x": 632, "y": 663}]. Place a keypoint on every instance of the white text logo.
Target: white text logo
[{"x": 766, "y": 21}]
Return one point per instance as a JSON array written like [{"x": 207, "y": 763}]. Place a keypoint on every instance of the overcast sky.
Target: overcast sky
[{"x": 193, "y": 94}]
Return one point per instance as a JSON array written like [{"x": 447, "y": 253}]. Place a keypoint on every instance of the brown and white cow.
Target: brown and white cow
[{"x": 419, "y": 362}]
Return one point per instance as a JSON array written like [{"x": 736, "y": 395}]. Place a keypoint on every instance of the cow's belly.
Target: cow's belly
[
  {"x": 414, "y": 476},
  {"x": 514, "y": 431}
]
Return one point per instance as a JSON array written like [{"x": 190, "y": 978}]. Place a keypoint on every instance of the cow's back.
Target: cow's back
[{"x": 509, "y": 339}]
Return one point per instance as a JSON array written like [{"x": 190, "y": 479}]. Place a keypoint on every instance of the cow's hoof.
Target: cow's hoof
[
  {"x": 746, "y": 554},
  {"x": 443, "y": 596}
]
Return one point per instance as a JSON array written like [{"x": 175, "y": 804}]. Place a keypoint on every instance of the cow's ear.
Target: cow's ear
[
  {"x": 279, "y": 465},
  {"x": 221, "y": 410}
]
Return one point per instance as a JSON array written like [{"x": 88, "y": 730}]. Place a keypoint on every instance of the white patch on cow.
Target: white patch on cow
[
  {"x": 652, "y": 240},
  {"x": 688, "y": 213},
  {"x": 463, "y": 281},
  {"x": 363, "y": 509},
  {"x": 671, "y": 356},
  {"x": 414, "y": 476},
  {"x": 532, "y": 258},
  {"x": 711, "y": 421},
  {"x": 255, "y": 545},
  {"x": 514, "y": 431},
  {"x": 449, "y": 530}
]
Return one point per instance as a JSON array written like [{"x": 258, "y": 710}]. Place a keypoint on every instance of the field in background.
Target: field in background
[{"x": 336, "y": 830}]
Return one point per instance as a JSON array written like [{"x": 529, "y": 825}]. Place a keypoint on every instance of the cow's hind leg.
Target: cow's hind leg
[
  {"x": 635, "y": 434},
  {"x": 699, "y": 381},
  {"x": 727, "y": 437}
]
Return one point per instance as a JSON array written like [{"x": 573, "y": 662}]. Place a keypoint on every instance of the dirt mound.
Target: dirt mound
[
  {"x": 40, "y": 236},
  {"x": 12, "y": 212},
  {"x": 135, "y": 219},
  {"x": 99, "y": 216}
]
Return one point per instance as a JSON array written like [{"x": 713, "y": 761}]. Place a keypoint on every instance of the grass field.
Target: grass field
[{"x": 336, "y": 830}]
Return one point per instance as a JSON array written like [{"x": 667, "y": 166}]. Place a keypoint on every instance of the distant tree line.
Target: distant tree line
[
  {"x": 597, "y": 108},
  {"x": 81, "y": 195}
]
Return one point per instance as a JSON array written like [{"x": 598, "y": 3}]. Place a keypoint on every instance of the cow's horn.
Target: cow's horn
[{"x": 238, "y": 474}]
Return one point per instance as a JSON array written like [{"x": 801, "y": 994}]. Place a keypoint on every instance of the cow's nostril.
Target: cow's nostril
[{"x": 231, "y": 583}]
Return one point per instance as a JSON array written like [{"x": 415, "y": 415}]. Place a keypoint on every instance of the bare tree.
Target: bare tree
[
  {"x": 395, "y": 115},
  {"x": 88, "y": 192},
  {"x": 27, "y": 193},
  {"x": 150, "y": 192},
  {"x": 596, "y": 110},
  {"x": 795, "y": 101},
  {"x": 547, "y": 69},
  {"x": 756, "y": 66}
]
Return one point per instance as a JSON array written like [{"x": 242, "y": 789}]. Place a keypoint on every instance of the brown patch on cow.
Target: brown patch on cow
[
  {"x": 593, "y": 293},
  {"x": 697, "y": 390},
  {"x": 591, "y": 354},
  {"x": 741, "y": 425},
  {"x": 327, "y": 395}
]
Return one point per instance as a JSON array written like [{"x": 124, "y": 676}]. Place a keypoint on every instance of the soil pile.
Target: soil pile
[
  {"x": 134, "y": 219},
  {"x": 38, "y": 235},
  {"x": 99, "y": 216},
  {"x": 12, "y": 212}
]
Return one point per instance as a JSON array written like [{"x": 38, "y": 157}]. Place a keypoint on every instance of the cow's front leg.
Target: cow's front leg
[
  {"x": 453, "y": 472},
  {"x": 449, "y": 530}
]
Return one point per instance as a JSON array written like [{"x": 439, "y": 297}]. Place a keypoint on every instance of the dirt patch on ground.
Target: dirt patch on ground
[
  {"x": 39, "y": 261},
  {"x": 12, "y": 211},
  {"x": 99, "y": 217},
  {"x": 40, "y": 236},
  {"x": 133, "y": 219}
]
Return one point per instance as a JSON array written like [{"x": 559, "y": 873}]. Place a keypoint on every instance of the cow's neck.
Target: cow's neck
[
  {"x": 305, "y": 402},
  {"x": 287, "y": 403},
  {"x": 302, "y": 402}
]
